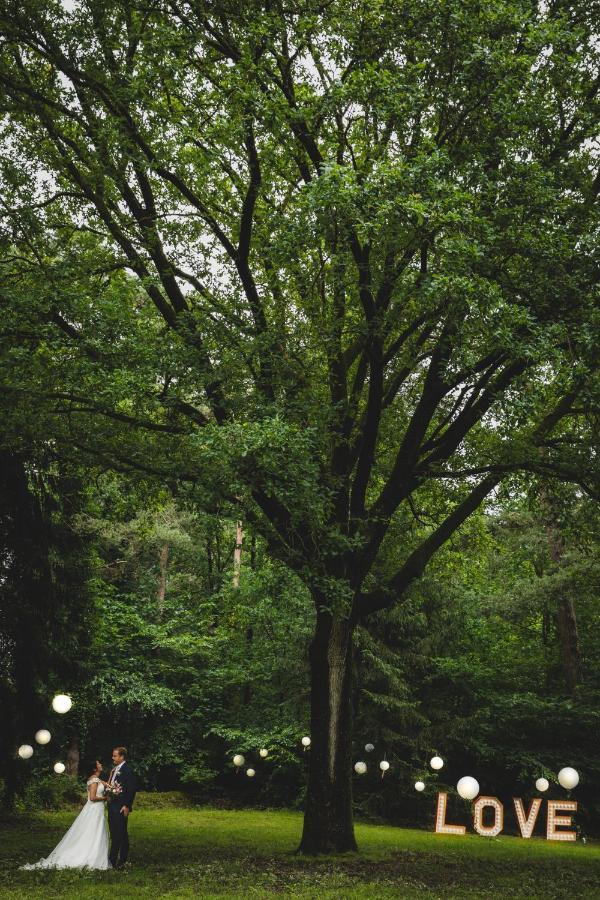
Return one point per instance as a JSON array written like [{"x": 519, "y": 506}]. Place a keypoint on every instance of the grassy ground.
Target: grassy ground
[{"x": 212, "y": 853}]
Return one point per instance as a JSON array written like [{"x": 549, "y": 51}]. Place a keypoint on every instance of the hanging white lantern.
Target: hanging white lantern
[
  {"x": 59, "y": 768},
  {"x": 568, "y": 778},
  {"x": 43, "y": 736},
  {"x": 62, "y": 703},
  {"x": 250, "y": 773},
  {"x": 369, "y": 747},
  {"x": 360, "y": 768},
  {"x": 264, "y": 752},
  {"x": 238, "y": 760},
  {"x": 436, "y": 762},
  {"x": 25, "y": 751},
  {"x": 468, "y": 788},
  {"x": 306, "y": 742},
  {"x": 419, "y": 785},
  {"x": 542, "y": 784}
]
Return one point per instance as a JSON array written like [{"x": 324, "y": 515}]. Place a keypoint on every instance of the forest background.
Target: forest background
[{"x": 300, "y": 397}]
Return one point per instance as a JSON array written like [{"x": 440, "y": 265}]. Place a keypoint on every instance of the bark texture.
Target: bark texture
[{"x": 328, "y": 824}]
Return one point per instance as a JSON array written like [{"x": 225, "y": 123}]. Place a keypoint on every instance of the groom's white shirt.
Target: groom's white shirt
[{"x": 115, "y": 771}]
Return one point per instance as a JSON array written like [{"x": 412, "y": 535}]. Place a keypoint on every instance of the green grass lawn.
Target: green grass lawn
[{"x": 197, "y": 852}]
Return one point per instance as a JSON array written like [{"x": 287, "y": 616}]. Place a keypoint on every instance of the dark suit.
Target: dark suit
[{"x": 117, "y": 821}]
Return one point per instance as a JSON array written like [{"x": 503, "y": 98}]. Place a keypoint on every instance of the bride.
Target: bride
[{"x": 86, "y": 842}]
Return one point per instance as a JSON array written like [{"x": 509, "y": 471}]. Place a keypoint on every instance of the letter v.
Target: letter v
[{"x": 527, "y": 824}]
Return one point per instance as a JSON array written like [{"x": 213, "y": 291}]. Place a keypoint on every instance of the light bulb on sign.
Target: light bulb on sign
[
  {"x": 419, "y": 785},
  {"x": 360, "y": 768},
  {"x": 436, "y": 762},
  {"x": 468, "y": 788},
  {"x": 25, "y": 751},
  {"x": 568, "y": 778},
  {"x": 43, "y": 736},
  {"x": 59, "y": 768},
  {"x": 62, "y": 703},
  {"x": 542, "y": 784}
]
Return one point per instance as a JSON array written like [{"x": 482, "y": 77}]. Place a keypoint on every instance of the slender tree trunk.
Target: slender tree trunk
[
  {"x": 566, "y": 619},
  {"x": 209, "y": 563},
  {"x": 237, "y": 554},
  {"x": 569, "y": 641},
  {"x": 163, "y": 559},
  {"x": 72, "y": 761},
  {"x": 328, "y": 822}
]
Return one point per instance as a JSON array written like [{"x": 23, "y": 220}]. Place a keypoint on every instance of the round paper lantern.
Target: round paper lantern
[
  {"x": 369, "y": 747},
  {"x": 384, "y": 765},
  {"x": 25, "y": 751},
  {"x": 542, "y": 784},
  {"x": 360, "y": 768},
  {"x": 59, "y": 768},
  {"x": 419, "y": 785},
  {"x": 436, "y": 762},
  {"x": 238, "y": 760},
  {"x": 568, "y": 778},
  {"x": 264, "y": 752},
  {"x": 62, "y": 704},
  {"x": 43, "y": 736},
  {"x": 468, "y": 788},
  {"x": 305, "y": 742},
  {"x": 250, "y": 773}
]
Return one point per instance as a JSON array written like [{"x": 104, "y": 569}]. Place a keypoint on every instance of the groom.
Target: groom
[{"x": 120, "y": 806}]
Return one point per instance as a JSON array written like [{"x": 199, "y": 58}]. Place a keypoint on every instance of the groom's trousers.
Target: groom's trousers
[{"x": 119, "y": 839}]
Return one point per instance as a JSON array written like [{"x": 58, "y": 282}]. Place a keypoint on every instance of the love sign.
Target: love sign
[{"x": 526, "y": 820}]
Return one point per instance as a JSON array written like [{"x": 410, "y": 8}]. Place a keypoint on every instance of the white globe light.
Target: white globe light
[
  {"x": 436, "y": 762},
  {"x": 369, "y": 747},
  {"x": 43, "y": 736},
  {"x": 360, "y": 768},
  {"x": 264, "y": 752},
  {"x": 62, "y": 704},
  {"x": 238, "y": 760},
  {"x": 468, "y": 788},
  {"x": 59, "y": 768},
  {"x": 542, "y": 784},
  {"x": 384, "y": 765},
  {"x": 250, "y": 773},
  {"x": 568, "y": 778},
  {"x": 419, "y": 785},
  {"x": 25, "y": 751},
  {"x": 306, "y": 742}
]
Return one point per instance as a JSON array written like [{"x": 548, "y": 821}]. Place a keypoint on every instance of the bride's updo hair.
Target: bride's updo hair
[{"x": 88, "y": 767}]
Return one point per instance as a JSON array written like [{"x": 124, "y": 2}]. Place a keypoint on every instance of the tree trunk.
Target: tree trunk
[
  {"x": 237, "y": 554},
  {"x": 163, "y": 559},
  {"x": 566, "y": 619},
  {"x": 569, "y": 641},
  {"x": 72, "y": 761},
  {"x": 328, "y": 822}
]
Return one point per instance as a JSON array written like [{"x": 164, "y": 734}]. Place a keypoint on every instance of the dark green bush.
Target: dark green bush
[{"x": 52, "y": 792}]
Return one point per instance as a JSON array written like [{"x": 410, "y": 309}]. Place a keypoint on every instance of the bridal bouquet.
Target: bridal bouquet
[{"x": 113, "y": 790}]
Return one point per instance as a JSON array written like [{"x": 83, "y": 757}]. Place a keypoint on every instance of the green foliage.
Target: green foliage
[{"x": 47, "y": 792}]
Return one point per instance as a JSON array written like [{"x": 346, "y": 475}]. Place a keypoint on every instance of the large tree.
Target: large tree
[{"x": 336, "y": 260}]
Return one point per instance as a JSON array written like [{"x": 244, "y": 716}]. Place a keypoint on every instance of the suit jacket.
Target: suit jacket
[{"x": 126, "y": 778}]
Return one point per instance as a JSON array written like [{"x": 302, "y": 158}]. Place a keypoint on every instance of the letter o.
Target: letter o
[{"x": 478, "y": 807}]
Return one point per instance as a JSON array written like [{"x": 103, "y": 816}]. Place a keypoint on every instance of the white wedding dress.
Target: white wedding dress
[{"x": 85, "y": 845}]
